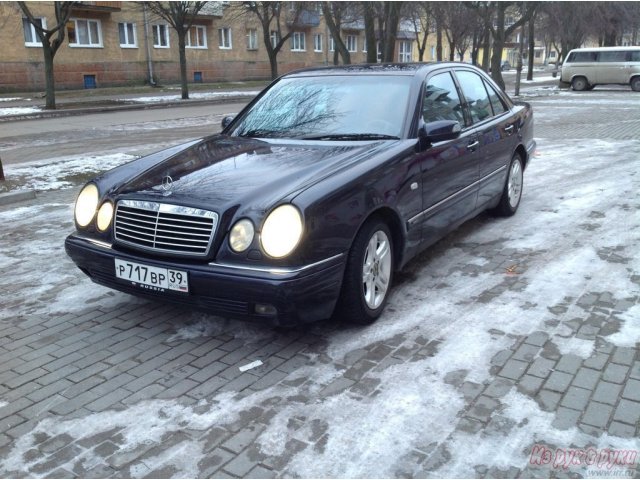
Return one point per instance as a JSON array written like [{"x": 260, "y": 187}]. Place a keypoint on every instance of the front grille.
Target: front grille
[{"x": 166, "y": 228}]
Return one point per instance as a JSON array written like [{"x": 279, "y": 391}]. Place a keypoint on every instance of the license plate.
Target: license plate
[{"x": 152, "y": 278}]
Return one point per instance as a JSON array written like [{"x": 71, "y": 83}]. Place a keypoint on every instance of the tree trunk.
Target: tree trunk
[
  {"x": 532, "y": 48},
  {"x": 452, "y": 51},
  {"x": 183, "y": 65},
  {"x": 50, "y": 82},
  {"x": 486, "y": 50},
  {"x": 273, "y": 63},
  {"x": 393, "y": 19},
  {"x": 334, "y": 29},
  {"x": 438, "y": 42},
  {"x": 370, "y": 33},
  {"x": 498, "y": 47}
]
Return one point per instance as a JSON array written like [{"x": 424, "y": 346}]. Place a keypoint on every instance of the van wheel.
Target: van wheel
[
  {"x": 579, "y": 84},
  {"x": 368, "y": 275},
  {"x": 635, "y": 84},
  {"x": 591, "y": 87}
]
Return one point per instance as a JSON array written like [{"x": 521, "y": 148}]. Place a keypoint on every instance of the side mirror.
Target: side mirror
[
  {"x": 226, "y": 121},
  {"x": 440, "y": 130}
]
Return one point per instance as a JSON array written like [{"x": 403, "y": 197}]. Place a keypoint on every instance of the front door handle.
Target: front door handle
[
  {"x": 509, "y": 129},
  {"x": 473, "y": 146}
]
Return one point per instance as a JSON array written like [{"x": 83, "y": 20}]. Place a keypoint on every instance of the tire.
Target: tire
[
  {"x": 512, "y": 191},
  {"x": 635, "y": 84},
  {"x": 579, "y": 84},
  {"x": 368, "y": 274}
]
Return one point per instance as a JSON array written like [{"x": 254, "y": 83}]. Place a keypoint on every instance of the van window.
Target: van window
[
  {"x": 582, "y": 57},
  {"x": 635, "y": 56},
  {"x": 619, "y": 56}
]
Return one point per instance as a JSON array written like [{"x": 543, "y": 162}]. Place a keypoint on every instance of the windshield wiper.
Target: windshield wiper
[
  {"x": 350, "y": 136},
  {"x": 262, "y": 133}
]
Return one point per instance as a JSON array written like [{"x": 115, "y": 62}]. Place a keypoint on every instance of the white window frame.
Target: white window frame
[
  {"x": 126, "y": 34},
  {"x": 332, "y": 44},
  {"x": 187, "y": 39},
  {"x": 274, "y": 38},
  {"x": 364, "y": 45},
  {"x": 404, "y": 56},
  {"x": 252, "y": 39},
  {"x": 317, "y": 42},
  {"x": 158, "y": 28},
  {"x": 352, "y": 39},
  {"x": 225, "y": 38},
  {"x": 298, "y": 42},
  {"x": 378, "y": 51},
  {"x": 36, "y": 39},
  {"x": 76, "y": 30}
]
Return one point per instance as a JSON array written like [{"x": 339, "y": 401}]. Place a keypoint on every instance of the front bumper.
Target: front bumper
[{"x": 299, "y": 295}]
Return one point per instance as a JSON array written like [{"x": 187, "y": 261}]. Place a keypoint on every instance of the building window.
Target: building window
[
  {"x": 352, "y": 43},
  {"x": 31, "y": 38},
  {"x": 332, "y": 44},
  {"x": 297, "y": 42},
  {"x": 378, "y": 52},
  {"x": 127, "y": 32},
  {"x": 275, "y": 38},
  {"x": 224, "y": 38},
  {"x": 364, "y": 46},
  {"x": 84, "y": 33},
  {"x": 317, "y": 42},
  {"x": 252, "y": 39},
  {"x": 196, "y": 37},
  {"x": 405, "y": 51},
  {"x": 552, "y": 54},
  {"x": 160, "y": 36}
]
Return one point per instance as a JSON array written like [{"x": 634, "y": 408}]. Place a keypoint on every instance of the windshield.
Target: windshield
[{"x": 328, "y": 107}]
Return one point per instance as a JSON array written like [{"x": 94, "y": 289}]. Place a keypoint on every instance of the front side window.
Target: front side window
[
  {"x": 252, "y": 39},
  {"x": 329, "y": 107},
  {"x": 196, "y": 37},
  {"x": 352, "y": 43},
  {"x": 441, "y": 100},
  {"x": 224, "y": 38},
  {"x": 619, "y": 56},
  {"x": 160, "y": 36},
  {"x": 476, "y": 95},
  {"x": 317, "y": 42},
  {"x": 576, "y": 57},
  {"x": 84, "y": 33},
  {"x": 31, "y": 38},
  {"x": 127, "y": 33},
  {"x": 297, "y": 42},
  {"x": 405, "y": 52}
]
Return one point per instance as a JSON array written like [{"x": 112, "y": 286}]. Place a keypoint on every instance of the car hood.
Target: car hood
[{"x": 220, "y": 172}]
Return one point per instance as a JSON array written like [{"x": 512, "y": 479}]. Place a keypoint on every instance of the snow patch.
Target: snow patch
[
  {"x": 581, "y": 348},
  {"x": 629, "y": 334},
  {"x": 193, "y": 96},
  {"x": 7, "y": 111}
]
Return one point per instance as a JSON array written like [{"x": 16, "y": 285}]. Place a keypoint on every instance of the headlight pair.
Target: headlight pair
[
  {"x": 86, "y": 206},
  {"x": 280, "y": 234}
]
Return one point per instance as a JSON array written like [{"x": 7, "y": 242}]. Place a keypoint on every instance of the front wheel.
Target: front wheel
[
  {"x": 367, "y": 278},
  {"x": 635, "y": 84},
  {"x": 579, "y": 84},
  {"x": 512, "y": 192}
]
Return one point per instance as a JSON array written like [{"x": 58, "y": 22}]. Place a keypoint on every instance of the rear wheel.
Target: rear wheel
[
  {"x": 579, "y": 84},
  {"x": 635, "y": 84},
  {"x": 512, "y": 192},
  {"x": 367, "y": 278}
]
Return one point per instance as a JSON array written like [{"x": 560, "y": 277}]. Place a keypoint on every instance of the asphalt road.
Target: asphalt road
[{"x": 134, "y": 132}]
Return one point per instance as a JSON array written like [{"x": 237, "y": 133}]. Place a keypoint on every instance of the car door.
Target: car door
[
  {"x": 495, "y": 127},
  {"x": 612, "y": 66},
  {"x": 448, "y": 168}
]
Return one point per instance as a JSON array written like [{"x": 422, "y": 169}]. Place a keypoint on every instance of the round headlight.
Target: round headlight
[
  {"x": 86, "y": 205},
  {"x": 281, "y": 231},
  {"x": 241, "y": 235},
  {"x": 105, "y": 214}
]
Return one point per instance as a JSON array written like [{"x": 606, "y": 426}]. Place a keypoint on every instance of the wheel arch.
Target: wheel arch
[
  {"x": 523, "y": 154},
  {"x": 393, "y": 221}
]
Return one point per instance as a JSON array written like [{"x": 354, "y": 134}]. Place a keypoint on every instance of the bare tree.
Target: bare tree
[
  {"x": 180, "y": 15},
  {"x": 420, "y": 17},
  {"x": 51, "y": 39},
  {"x": 333, "y": 14},
  {"x": 457, "y": 22}
]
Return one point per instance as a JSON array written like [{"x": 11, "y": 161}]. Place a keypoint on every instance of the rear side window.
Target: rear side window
[
  {"x": 576, "y": 57},
  {"x": 441, "y": 100},
  {"x": 612, "y": 56},
  {"x": 635, "y": 56},
  {"x": 476, "y": 95},
  {"x": 496, "y": 102}
]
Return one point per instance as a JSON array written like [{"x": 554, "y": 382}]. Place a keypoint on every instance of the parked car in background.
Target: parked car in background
[
  {"x": 505, "y": 65},
  {"x": 312, "y": 196},
  {"x": 585, "y": 68}
]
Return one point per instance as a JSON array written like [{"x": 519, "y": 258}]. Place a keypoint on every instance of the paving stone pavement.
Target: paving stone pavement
[{"x": 120, "y": 387}]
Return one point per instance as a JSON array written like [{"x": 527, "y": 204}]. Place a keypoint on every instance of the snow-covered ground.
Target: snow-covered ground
[
  {"x": 6, "y": 111},
  {"x": 581, "y": 198},
  {"x": 193, "y": 96}
]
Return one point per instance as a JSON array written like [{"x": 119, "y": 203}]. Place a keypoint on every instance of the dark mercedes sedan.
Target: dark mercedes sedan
[{"x": 312, "y": 196}]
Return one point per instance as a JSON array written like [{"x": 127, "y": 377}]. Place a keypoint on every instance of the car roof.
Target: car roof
[{"x": 406, "y": 69}]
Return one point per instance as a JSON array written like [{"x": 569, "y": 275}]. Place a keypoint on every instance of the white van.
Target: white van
[{"x": 585, "y": 68}]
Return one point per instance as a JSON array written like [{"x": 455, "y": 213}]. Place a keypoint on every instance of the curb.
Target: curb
[
  {"x": 119, "y": 108},
  {"x": 16, "y": 196}
]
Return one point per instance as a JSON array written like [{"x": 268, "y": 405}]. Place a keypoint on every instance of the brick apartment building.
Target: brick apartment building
[{"x": 119, "y": 43}]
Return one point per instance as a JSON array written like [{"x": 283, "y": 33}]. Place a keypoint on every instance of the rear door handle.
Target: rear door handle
[{"x": 473, "y": 146}]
